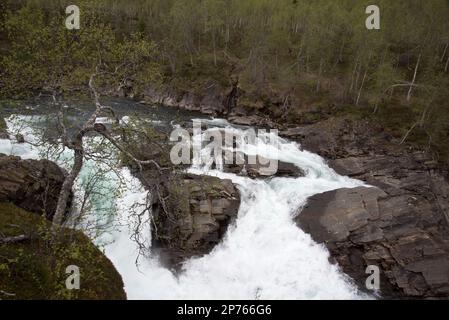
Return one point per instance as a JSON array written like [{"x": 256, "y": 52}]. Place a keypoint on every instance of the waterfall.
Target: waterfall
[{"x": 263, "y": 255}]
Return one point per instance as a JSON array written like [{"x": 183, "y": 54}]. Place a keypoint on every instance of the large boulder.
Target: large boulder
[
  {"x": 34, "y": 267},
  {"x": 194, "y": 217},
  {"x": 400, "y": 225},
  {"x": 240, "y": 163},
  {"x": 30, "y": 184},
  {"x": 406, "y": 236},
  {"x": 259, "y": 167}
]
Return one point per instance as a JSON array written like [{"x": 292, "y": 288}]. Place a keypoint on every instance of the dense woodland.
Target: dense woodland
[{"x": 307, "y": 53}]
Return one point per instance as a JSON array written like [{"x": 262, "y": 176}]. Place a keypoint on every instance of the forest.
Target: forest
[{"x": 309, "y": 54}]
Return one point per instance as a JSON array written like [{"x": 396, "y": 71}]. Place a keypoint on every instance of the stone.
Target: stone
[
  {"x": 3, "y": 129},
  {"x": 259, "y": 167},
  {"x": 30, "y": 184},
  {"x": 200, "y": 209},
  {"x": 401, "y": 225},
  {"x": 212, "y": 101}
]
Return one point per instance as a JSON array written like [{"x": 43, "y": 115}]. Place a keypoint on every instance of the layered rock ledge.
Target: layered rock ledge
[
  {"x": 198, "y": 211},
  {"x": 400, "y": 225}
]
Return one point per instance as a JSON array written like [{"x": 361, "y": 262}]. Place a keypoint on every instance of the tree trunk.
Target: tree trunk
[
  {"x": 409, "y": 94},
  {"x": 351, "y": 87},
  {"x": 361, "y": 87},
  {"x": 444, "y": 52},
  {"x": 356, "y": 82},
  {"x": 69, "y": 181}
]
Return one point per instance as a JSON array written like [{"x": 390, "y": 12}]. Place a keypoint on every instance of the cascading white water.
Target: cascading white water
[{"x": 263, "y": 255}]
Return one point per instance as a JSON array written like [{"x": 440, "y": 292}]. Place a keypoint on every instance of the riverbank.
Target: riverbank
[
  {"x": 408, "y": 210},
  {"x": 33, "y": 262}
]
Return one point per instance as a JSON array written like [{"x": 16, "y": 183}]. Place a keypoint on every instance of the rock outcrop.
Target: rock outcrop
[
  {"x": 194, "y": 218},
  {"x": 30, "y": 184},
  {"x": 35, "y": 269},
  {"x": 400, "y": 225},
  {"x": 210, "y": 99},
  {"x": 3, "y": 129},
  {"x": 35, "y": 266},
  {"x": 190, "y": 213},
  {"x": 260, "y": 167}
]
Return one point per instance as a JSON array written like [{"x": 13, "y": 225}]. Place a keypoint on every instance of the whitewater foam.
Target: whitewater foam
[{"x": 263, "y": 255}]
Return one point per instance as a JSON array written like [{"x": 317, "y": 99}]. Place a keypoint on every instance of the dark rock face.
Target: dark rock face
[
  {"x": 213, "y": 101},
  {"x": 190, "y": 213},
  {"x": 400, "y": 226},
  {"x": 260, "y": 167},
  {"x": 199, "y": 210},
  {"x": 254, "y": 166},
  {"x": 3, "y": 131},
  {"x": 338, "y": 138},
  {"x": 31, "y": 185},
  {"x": 210, "y": 99}
]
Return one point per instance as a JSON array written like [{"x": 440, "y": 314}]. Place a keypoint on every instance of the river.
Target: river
[{"x": 264, "y": 255}]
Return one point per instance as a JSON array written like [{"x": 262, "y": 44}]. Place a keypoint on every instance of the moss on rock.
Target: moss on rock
[{"x": 36, "y": 268}]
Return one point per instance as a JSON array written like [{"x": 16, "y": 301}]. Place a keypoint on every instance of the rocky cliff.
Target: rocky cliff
[
  {"x": 400, "y": 225},
  {"x": 194, "y": 218}
]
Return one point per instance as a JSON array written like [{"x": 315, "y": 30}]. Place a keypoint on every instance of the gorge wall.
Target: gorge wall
[{"x": 399, "y": 225}]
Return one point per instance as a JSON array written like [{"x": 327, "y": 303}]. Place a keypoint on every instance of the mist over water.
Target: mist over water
[{"x": 264, "y": 255}]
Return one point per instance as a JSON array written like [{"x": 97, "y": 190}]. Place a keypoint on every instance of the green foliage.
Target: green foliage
[
  {"x": 299, "y": 51},
  {"x": 44, "y": 54},
  {"x": 35, "y": 269}
]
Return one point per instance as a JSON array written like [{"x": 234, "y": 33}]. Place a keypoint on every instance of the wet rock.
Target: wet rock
[
  {"x": 400, "y": 226},
  {"x": 366, "y": 226},
  {"x": 161, "y": 95},
  {"x": 194, "y": 218},
  {"x": 190, "y": 213},
  {"x": 244, "y": 120},
  {"x": 30, "y": 184},
  {"x": 20, "y": 138},
  {"x": 188, "y": 102},
  {"x": 209, "y": 99},
  {"x": 212, "y": 101},
  {"x": 3, "y": 129},
  {"x": 259, "y": 167}
]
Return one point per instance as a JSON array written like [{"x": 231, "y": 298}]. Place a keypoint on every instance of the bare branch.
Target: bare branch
[
  {"x": 7, "y": 293},
  {"x": 103, "y": 131},
  {"x": 408, "y": 133},
  {"x": 15, "y": 239}
]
